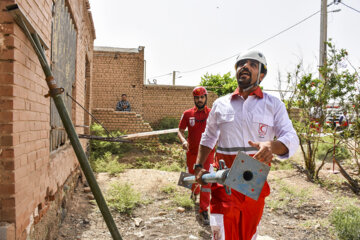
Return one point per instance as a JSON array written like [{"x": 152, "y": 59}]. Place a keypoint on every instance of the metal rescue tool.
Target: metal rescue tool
[{"x": 246, "y": 175}]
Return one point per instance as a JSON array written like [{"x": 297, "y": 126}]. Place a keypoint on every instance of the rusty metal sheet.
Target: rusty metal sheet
[{"x": 63, "y": 63}]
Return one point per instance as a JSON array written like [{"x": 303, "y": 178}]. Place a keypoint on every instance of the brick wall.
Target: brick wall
[
  {"x": 30, "y": 176},
  {"x": 129, "y": 122},
  {"x": 121, "y": 70},
  {"x": 117, "y": 71},
  {"x": 168, "y": 101},
  {"x": 126, "y": 122}
]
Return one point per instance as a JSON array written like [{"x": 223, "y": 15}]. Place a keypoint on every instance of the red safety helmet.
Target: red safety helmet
[{"x": 199, "y": 91}]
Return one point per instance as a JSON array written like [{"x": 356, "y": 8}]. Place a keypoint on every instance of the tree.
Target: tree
[
  {"x": 312, "y": 95},
  {"x": 352, "y": 134},
  {"x": 221, "y": 85}
]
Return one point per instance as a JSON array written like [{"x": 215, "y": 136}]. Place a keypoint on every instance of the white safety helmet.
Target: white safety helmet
[
  {"x": 257, "y": 56},
  {"x": 254, "y": 55}
]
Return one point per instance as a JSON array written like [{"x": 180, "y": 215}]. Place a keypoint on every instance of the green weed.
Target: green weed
[
  {"x": 108, "y": 163},
  {"x": 345, "y": 201},
  {"x": 169, "y": 157},
  {"x": 287, "y": 195},
  {"x": 276, "y": 204},
  {"x": 330, "y": 184},
  {"x": 166, "y": 207},
  {"x": 323, "y": 222},
  {"x": 144, "y": 163},
  {"x": 183, "y": 201},
  {"x": 300, "y": 196},
  {"x": 173, "y": 167},
  {"x": 168, "y": 189},
  {"x": 281, "y": 165},
  {"x": 123, "y": 198},
  {"x": 178, "y": 199},
  {"x": 346, "y": 221}
]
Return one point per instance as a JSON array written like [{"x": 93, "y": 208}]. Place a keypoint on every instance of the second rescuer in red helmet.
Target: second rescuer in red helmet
[{"x": 194, "y": 119}]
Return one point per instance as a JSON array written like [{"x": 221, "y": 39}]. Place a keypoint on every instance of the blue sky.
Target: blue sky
[{"x": 190, "y": 34}]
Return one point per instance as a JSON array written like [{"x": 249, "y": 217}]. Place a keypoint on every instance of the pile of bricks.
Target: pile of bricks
[{"x": 126, "y": 122}]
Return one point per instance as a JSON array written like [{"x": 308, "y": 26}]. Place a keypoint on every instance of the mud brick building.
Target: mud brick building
[
  {"x": 38, "y": 167},
  {"x": 126, "y": 122},
  {"x": 161, "y": 101},
  {"x": 122, "y": 70}
]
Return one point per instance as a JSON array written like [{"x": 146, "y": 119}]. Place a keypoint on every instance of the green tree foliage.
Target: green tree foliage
[
  {"x": 312, "y": 94},
  {"x": 221, "y": 85},
  {"x": 353, "y": 107}
]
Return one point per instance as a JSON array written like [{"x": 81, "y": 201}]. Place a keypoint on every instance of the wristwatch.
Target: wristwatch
[{"x": 198, "y": 166}]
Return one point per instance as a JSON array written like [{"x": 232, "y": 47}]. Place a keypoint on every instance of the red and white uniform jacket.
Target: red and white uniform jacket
[{"x": 233, "y": 121}]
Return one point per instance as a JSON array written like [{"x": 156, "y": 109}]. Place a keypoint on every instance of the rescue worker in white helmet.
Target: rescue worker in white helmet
[
  {"x": 247, "y": 120},
  {"x": 250, "y": 60}
]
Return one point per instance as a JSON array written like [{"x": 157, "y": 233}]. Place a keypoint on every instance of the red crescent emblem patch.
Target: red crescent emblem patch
[{"x": 262, "y": 129}]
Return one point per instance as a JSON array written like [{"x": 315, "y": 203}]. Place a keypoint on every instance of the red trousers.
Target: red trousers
[
  {"x": 241, "y": 214},
  {"x": 196, "y": 188}
]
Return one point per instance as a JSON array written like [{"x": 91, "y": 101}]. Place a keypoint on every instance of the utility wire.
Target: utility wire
[
  {"x": 350, "y": 7},
  {"x": 285, "y": 30},
  {"x": 267, "y": 39},
  {"x": 161, "y": 75}
]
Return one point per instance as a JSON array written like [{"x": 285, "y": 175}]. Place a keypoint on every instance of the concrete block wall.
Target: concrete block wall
[{"x": 31, "y": 176}]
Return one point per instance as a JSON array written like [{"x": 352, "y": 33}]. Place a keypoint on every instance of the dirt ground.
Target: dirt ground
[
  {"x": 299, "y": 215},
  {"x": 296, "y": 208}
]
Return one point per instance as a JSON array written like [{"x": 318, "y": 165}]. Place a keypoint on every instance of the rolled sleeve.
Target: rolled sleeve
[
  {"x": 211, "y": 133},
  {"x": 285, "y": 132}
]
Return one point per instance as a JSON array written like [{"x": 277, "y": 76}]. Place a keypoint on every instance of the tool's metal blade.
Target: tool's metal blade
[
  {"x": 182, "y": 183},
  {"x": 247, "y": 175}
]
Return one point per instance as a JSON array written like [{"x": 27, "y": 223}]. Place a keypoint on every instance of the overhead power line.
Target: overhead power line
[
  {"x": 350, "y": 7},
  {"x": 267, "y": 39},
  {"x": 284, "y": 30},
  {"x": 161, "y": 75}
]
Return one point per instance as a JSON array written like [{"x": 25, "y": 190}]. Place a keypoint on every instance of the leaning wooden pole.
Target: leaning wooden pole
[{"x": 55, "y": 92}]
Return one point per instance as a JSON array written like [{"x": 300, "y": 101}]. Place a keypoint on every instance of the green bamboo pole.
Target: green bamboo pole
[{"x": 70, "y": 130}]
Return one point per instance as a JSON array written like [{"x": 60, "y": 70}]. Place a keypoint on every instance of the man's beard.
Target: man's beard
[
  {"x": 244, "y": 82},
  {"x": 200, "y": 105}
]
